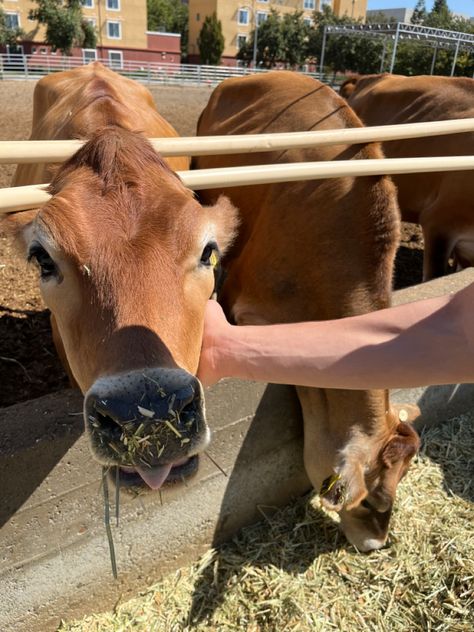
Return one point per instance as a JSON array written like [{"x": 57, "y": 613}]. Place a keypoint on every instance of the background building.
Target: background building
[
  {"x": 121, "y": 27},
  {"x": 238, "y": 18},
  {"x": 399, "y": 15}
]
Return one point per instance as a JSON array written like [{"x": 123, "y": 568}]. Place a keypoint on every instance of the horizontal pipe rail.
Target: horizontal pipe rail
[
  {"x": 23, "y": 198},
  {"x": 42, "y": 151}
]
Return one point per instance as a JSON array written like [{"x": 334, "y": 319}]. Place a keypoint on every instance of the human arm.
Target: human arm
[{"x": 420, "y": 343}]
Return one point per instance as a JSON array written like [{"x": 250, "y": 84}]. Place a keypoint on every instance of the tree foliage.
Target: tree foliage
[
  {"x": 65, "y": 25},
  {"x": 269, "y": 42},
  {"x": 8, "y": 36},
  {"x": 211, "y": 41},
  {"x": 419, "y": 13},
  {"x": 170, "y": 16},
  {"x": 295, "y": 36}
]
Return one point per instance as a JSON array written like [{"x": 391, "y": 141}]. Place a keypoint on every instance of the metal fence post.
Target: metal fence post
[
  {"x": 384, "y": 50},
  {"x": 395, "y": 44},
  {"x": 321, "y": 61},
  {"x": 25, "y": 66},
  {"x": 453, "y": 67},
  {"x": 433, "y": 61}
]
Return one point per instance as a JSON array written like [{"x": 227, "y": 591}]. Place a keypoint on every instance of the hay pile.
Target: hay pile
[{"x": 294, "y": 571}]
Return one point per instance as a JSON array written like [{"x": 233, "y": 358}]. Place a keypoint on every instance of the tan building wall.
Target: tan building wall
[
  {"x": 228, "y": 12},
  {"x": 353, "y": 8},
  {"x": 129, "y": 21}
]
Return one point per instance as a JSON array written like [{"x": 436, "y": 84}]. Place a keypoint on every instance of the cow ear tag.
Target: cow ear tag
[
  {"x": 328, "y": 484},
  {"x": 213, "y": 259}
]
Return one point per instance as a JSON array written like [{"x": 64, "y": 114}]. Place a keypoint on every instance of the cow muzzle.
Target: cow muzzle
[{"x": 148, "y": 424}]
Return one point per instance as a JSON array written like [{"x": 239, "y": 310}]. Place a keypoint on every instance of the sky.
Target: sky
[{"x": 457, "y": 6}]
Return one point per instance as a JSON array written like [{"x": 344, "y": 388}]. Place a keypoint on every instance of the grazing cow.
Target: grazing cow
[
  {"x": 125, "y": 255},
  {"x": 309, "y": 251},
  {"x": 443, "y": 203}
]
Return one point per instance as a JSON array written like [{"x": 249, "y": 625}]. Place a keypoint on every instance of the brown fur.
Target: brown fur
[
  {"x": 441, "y": 202},
  {"x": 124, "y": 232},
  {"x": 308, "y": 251}
]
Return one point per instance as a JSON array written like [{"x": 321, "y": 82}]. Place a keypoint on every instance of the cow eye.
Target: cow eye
[
  {"x": 210, "y": 255},
  {"x": 42, "y": 259}
]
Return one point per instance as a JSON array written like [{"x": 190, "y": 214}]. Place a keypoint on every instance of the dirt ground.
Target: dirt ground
[{"x": 28, "y": 363}]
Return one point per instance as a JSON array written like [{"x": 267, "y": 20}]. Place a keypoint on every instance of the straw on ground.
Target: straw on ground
[{"x": 295, "y": 572}]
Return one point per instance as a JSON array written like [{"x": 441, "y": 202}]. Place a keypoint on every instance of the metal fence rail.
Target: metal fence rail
[{"x": 23, "y": 67}]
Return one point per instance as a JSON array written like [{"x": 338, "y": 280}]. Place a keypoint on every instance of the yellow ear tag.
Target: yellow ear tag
[
  {"x": 214, "y": 259},
  {"x": 328, "y": 484}
]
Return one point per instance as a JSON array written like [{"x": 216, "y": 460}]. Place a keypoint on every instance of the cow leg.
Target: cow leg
[
  {"x": 58, "y": 343},
  {"x": 438, "y": 249}
]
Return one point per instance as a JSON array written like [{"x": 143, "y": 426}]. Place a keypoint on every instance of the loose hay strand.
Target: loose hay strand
[
  {"x": 108, "y": 529},
  {"x": 117, "y": 496},
  {"x": 216, "y": 464}
]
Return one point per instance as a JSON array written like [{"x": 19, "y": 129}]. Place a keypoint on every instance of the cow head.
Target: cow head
[
  {"x": 364, "y": 487},
  {"x": 125, "y": 257},
  {"x": 348, "y": 87}
]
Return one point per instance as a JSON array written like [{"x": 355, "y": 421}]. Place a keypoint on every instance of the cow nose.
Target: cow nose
[
  {"x": 151, "y": 416},
  {"x": 120, "y": 409}
]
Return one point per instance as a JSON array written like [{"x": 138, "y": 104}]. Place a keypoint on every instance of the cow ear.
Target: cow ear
[
  {"x": 402, "y": 446},
  {"x": 226, "y": 218}
]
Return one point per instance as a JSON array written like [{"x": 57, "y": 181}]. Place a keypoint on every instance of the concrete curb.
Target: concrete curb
[{"x": 55, "y": 560}]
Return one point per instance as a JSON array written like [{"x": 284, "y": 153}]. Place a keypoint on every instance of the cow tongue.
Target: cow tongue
[{"x": 154, "y": 477}]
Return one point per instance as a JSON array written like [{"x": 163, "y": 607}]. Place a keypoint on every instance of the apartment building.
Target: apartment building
[
  {"x": 239, "y": 17},
  {"x": 121, "y": 27}
]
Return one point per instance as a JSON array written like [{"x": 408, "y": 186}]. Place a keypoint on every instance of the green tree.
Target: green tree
[
  {"x": 295, "y": 35},
  {"x": 440, "y": 16},
  {"x": 65, "y": 26},
  {"x": 211, "y": 41},
  {"x": 419, "y": 13},
  {"x": 269, "y": 42},
  {"x": 8, "y": 36},
  {"x": 170, "y": 16}
]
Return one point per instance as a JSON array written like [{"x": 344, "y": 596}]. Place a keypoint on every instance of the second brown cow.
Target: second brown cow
[{"x": 316, "y": 250}]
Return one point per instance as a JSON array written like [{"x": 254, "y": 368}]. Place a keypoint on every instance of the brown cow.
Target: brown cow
[
  {"x": 125, "y": 255},
  {"x": 316, "y": 250},
  {"x": 443, "y": 203}
]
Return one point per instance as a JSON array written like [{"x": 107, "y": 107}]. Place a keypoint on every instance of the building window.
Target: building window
[
  {"x": 113, "y": 5},
  {"x": 88, "y": 4},
  {"x": 12, "y": 20},
  {"x": 262, "y": 1},
  {"x": 198, "y": 17},
  {"x": 88, "y": 55},
  {"x": 308, "y": 21},
  {"x": 241, "y": 39},
  {"x": 308, "y": 4},
  {"x": 261, "y": 17},
  {"x": 114, "y": 30},
  {"x": 116, "y": 59},
  {"x": 243, "y": 16},
  {"x": 91, "y": 21}
]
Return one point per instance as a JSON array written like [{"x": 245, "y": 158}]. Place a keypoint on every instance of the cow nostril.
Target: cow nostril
[{"x": 104, "y": 421}]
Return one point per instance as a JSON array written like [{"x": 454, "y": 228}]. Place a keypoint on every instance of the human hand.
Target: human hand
[{"x": 216, "y": 327}]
